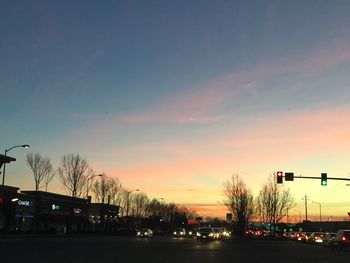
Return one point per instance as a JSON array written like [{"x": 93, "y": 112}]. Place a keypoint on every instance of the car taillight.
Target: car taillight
[{"x": 344, "y": 239}]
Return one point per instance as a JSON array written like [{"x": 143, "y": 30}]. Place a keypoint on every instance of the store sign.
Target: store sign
[
  {"x": 76, "y": 211},
  {"x": 55, "y": 207},
  {"x": 25, "y": 203}
]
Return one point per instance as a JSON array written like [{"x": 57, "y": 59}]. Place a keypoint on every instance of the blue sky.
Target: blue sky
[{"x": 167, "y": 86}]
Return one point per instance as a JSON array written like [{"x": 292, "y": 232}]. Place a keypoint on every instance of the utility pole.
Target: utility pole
[{"x": 306, "y": 199}]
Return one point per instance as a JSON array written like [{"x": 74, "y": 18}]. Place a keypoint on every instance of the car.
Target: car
[
  {"x": 328, "y": 240},
  {"x": 306, "y": 236},
  {"x": 144, "y": 232},
  {"x": 217, "y": 233},
  {"x": 224, "y": 233},
  {"x": 316, "y": 238},
  {"x": 191, "y": 233},
  {"x": 341, "y": 240},
  {"x": 206, "y": 233},
  {"x": 179, "y": 232}
]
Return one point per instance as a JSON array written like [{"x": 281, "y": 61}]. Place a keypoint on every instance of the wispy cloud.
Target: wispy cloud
[{"x": 196, "y": 105}]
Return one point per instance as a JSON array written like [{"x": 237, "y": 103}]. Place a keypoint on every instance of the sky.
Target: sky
[{"x": 174, "y": 97}]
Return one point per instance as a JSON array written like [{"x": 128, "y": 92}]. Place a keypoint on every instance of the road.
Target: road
[{"x": 161, "y": 249}]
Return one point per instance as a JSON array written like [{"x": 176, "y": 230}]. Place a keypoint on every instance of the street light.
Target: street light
[
  {"x": 6, "y": 151},
  {"x": 87, "y": 183},
  {"x": 320, "y": 209}
]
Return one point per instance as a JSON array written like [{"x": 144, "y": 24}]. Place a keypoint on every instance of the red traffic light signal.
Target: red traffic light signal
[{"x": 279, "y": 177}]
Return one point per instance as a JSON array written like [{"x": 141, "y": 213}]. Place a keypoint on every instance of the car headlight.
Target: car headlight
[
  {"x": 174, "y": 233},
  {"x": 198, "y": 234},
  {"x": 190, "y": 233},
  {"x": 211, "y": 234},
  {"x": 138, "y": 233}
]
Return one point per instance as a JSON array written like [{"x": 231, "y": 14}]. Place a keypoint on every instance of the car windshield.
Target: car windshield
[
  {"x": 174, "y": 131},
  {"x": 206, "y": 230},
  {"x": 346, "y": 234}
]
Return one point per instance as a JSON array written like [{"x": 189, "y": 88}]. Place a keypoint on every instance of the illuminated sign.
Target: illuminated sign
[
  {"x": 76, "y": 210},
  {"x": 24, "y": 203},
  {"x": 55, "y": 207}
]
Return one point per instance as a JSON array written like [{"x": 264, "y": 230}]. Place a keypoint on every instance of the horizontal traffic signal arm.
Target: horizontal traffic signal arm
[{"x": 318, "y": 178}]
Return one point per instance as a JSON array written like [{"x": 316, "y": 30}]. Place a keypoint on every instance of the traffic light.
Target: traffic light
[
  {"x": 323, "y": 179},
  {"x": 289, "y": 176},
  {"x": 279, "y": 177}
]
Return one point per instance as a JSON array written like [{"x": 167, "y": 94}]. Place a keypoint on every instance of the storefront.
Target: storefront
[
  {"x": 24, "y": 213},
  {"x": 103, "y": 217},
  {"x": 8, "y": 195},
  {"x": 44, "y": 212},
  {"x": 57, "y": 213}
]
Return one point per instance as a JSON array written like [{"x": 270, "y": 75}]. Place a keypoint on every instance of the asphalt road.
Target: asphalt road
[{"x": 161, "y": 249}]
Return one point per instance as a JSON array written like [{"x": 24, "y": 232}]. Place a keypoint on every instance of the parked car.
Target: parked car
[
  {"x": 179, "y": 232},
  {"x": 144, "y": 232},
  {"x": 341, "y": 240},
  {"x": 206, "y": 233}
]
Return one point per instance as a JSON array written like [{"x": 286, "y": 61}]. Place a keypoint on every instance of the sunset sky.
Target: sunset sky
[{"x": 173, "y": 97}]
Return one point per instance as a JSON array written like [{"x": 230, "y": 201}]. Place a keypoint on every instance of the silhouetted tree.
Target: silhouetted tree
[
  {"x": 239, "y": 201},
  {"x": 74, "y": 173},
  {"x": 41, "y": 168},
  {"x": 139, "y": 203},
  {"x": 106, "y": 189},
  {"x": 273, "y": 202}
]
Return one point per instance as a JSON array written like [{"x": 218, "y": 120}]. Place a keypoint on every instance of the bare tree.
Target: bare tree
[
  {"x": 154, "y": 208},
  {"x": 239, "y": 201},
  {"x": 48, "y": 178},
  {"x": 41, "y": 168},
  {"x": 74, "y": 173},
  {"x": 115, "y": 191},
  {"x": 273, "y": 202},
  {"x": 139, "y": 203},
  {"x": 107, "y": 190},
  {"x": 100, "y": 188},
  {"x": 123, "y": 201}
]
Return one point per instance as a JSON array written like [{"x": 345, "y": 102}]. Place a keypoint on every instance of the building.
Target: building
[{"x": 45, "y": 212}]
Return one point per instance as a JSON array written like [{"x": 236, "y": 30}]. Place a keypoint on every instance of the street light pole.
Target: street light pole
[
  {"x": 6, "y": 151},
  {"x": 87, "y": 183},
  {"x": 320, "y": 209}
]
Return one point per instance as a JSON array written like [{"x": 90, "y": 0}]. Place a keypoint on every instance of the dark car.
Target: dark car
[
  {"x": 206, "y": 233},
  {"x": 316, "y": 238},
  {"x": 179, "y": 232},
  {"x": 329, "y": 239},
  {"x": 341, "y": 240},
  {"x": 144, "y": 232}
]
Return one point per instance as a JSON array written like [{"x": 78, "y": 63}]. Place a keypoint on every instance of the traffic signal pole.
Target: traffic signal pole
[
  {"x": 289, "y": 176},
  {"x": 318, "y": 178}
]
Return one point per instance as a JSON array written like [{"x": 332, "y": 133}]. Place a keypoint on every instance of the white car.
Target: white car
[{"x": 144, "y": 232}]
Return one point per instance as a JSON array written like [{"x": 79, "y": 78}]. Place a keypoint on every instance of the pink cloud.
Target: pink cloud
[{"x": 198, "y": 102}]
